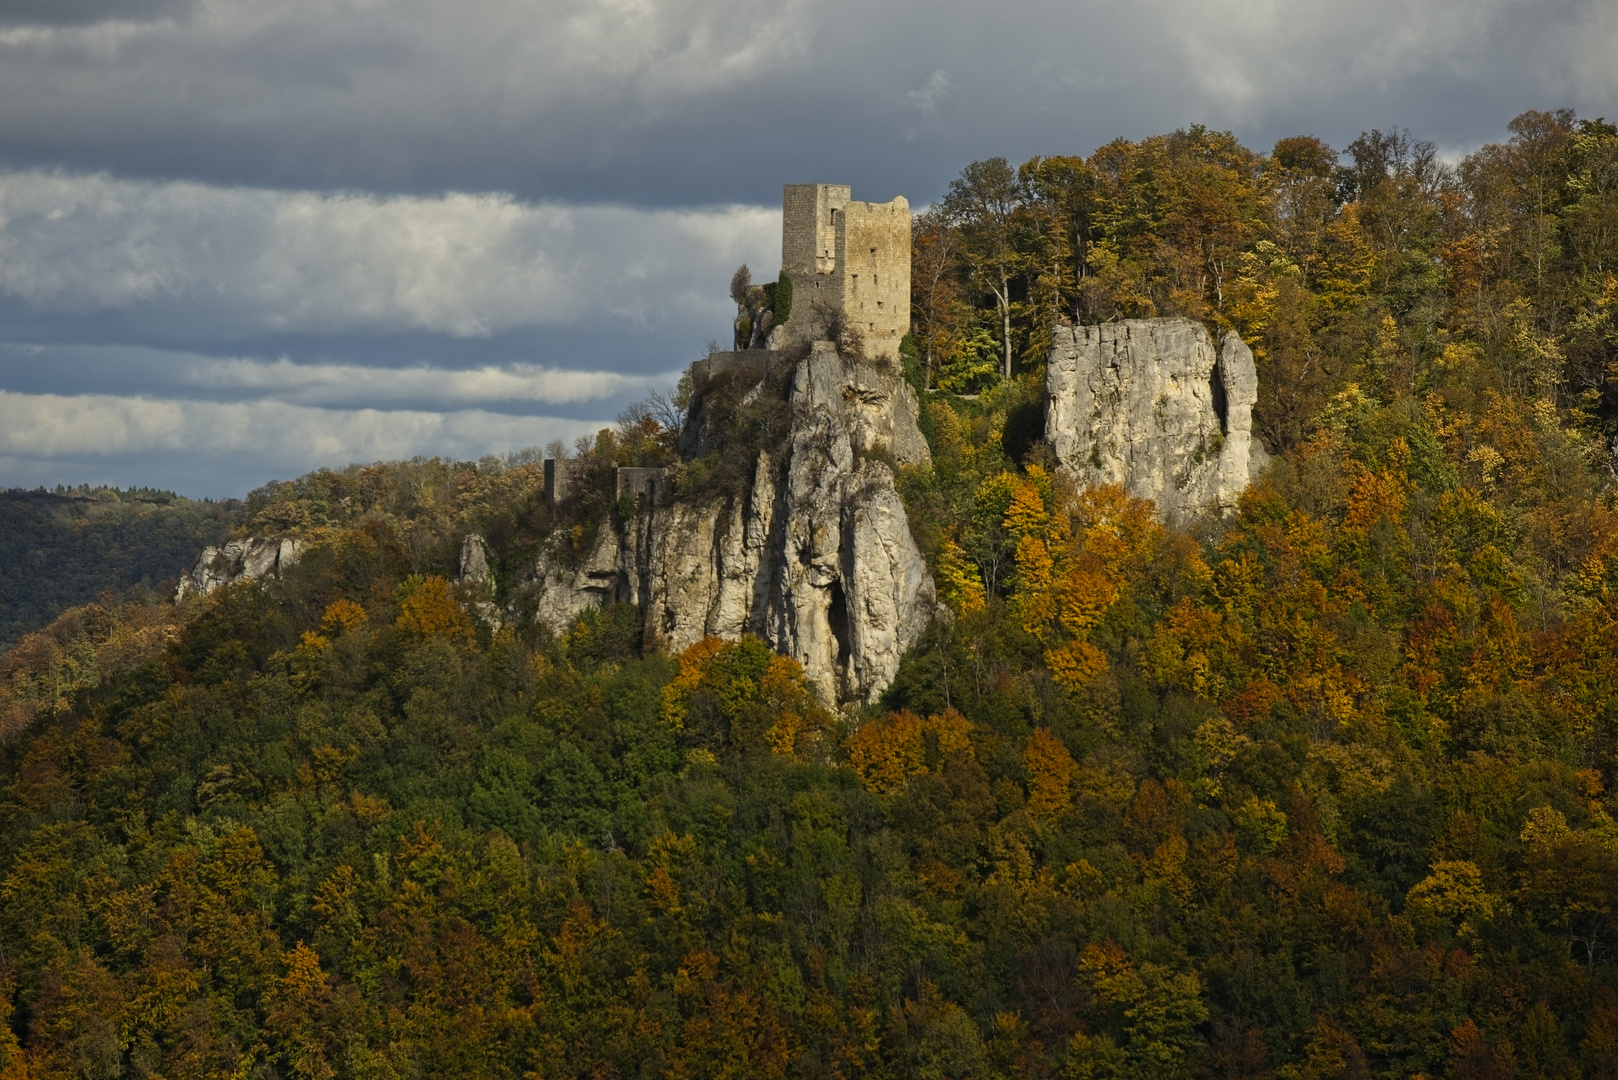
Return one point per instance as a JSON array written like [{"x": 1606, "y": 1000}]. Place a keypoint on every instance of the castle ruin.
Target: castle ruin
[{"x": 849, "y": 262}]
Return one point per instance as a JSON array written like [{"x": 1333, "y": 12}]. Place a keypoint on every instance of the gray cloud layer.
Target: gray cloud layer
[
  {"x": 197, "y": 444},
  {"x": 416, "y": 319},
  {"x": 211, "y": 262},
  {"x": 239, "y": 238},
  {"x": 681, "y": 101}
]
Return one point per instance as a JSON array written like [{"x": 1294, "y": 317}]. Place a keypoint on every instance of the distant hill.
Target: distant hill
[{"x": 65, "y": 547}]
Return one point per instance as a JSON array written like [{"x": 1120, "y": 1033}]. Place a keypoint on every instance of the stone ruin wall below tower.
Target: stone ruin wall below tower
[{"x": 849, "y": 258}]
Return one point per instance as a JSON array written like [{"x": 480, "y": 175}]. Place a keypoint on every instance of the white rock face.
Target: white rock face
[
  {"x": 477, "y": 581},
  {"x": 815, "y": 556},
  {"x": 239, "y": 560},
  {"x": 1148, "y": 404}
]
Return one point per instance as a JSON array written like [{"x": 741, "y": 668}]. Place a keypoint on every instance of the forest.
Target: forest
[
  {"x": 62, "y": 548},
  {"x": 1322, "y": 790}
]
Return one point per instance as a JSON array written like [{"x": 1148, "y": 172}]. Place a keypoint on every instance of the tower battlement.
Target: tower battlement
[{"x": 847, "y": 259}]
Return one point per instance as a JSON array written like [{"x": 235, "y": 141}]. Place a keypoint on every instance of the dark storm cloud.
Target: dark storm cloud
[
  {"x": 86, "y": 12},
  {"x": 674, "y": 102}
]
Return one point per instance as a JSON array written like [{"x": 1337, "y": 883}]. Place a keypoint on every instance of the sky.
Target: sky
[{"x": 245, "y": 239}]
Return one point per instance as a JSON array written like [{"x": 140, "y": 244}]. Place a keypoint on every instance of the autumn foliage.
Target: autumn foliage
[{"x": 1323, "y": 789}]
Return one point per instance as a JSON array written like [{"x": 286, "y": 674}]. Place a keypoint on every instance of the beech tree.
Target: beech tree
[{"x": 982, "y": 204}]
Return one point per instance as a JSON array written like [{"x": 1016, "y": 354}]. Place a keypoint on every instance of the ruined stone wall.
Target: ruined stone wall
[
  {"x": 874, "y": 260},
  {"x": 808, "y": 228},
  {"x": 558, "y": 478},
  {"x": 642, "y": 484},
  {"x": 849, "y": 258}
]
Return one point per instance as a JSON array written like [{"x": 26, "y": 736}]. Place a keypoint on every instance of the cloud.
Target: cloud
[
  {"x": 53, "y": 438},
  {"x": 927, "y": 98},
  {"x": 348, "y": 384},
  {"x": 225, "y": 262},
  {"x": 668, "y": 102},
  {"x": 86, "y": 12},
  {"x": 324, "y": 327}
]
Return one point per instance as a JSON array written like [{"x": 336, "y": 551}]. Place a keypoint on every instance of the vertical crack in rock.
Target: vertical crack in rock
[
  {"x": 814, "y": 554},
  {"x": 1148, "y": 404}
]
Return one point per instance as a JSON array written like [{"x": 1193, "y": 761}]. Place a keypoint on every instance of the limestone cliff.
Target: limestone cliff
[
  {"x": 1148, "y": 404},
  {"x": 812, "y": 553},
  {"x": 239, "y": 560}
]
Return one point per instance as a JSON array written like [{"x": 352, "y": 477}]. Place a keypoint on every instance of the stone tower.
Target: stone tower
[{"x": 846, "y": 258}]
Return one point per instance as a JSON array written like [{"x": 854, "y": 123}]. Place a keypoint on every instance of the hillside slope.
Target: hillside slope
[
  {"x": 1324, "y": 789},
  {"x": 62, "y": 549}
]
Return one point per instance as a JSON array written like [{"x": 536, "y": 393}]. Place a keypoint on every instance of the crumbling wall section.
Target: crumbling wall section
[{"x": 849, "y": 262}]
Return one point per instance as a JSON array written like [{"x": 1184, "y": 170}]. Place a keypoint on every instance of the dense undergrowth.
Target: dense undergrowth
[{"x": 1324, "y": 790}]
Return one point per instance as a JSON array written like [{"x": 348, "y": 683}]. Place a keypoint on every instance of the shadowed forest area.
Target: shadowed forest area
[
  {"x": 62, "y": 548},
  {"x": 1324, "y": 790}
]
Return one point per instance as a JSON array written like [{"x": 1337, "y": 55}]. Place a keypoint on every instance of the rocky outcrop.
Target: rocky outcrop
[
  {"x": 1148, "y": 404},
  {"x": 477, "y": 582},
  {"x": 814, "y": 554},
  {"x": 247, "y": 559}
]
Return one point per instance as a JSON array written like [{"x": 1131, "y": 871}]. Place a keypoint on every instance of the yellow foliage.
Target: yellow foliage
[
  {"x": 694, "y": 664},
  {"x": 1050, "y": 775},
  {"x": 1236, "y": 582},
  {"x": 1032, "y": 592},
  {"x": 1219, "y": 742},
  {"x": 888, "y": 751},
  {"x": 1027, "y": 516},
  {"x": 1544, "y": 825},
  {"x": 1060, "y": 589},
  {"x": 786, "y": 688},
  {"x": 758, "y": 699},
  {"x": 1075, "y": 664},
  {"x": 343, "y": 616},
  {"x": 1082, "y": 597},
  {"x": 431, "y": 611},
  {"x": 1179, "y": 653},
  {"x": 1452, "y": 894},
  {"x": 305, "y": 660},
  {"x": 953, "y": 732},
  {"x": 1260, "y": 823},
  {"x": 1118, "y": 529},
  {"x": 1373, "y": 497},
  {"x": 961, "y": 586},
  {"x": 994, "y": 495}
]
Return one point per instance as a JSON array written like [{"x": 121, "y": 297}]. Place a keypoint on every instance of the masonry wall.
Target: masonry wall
[
  {"x": 874, "y": 261},
  {"x": 846, "y": 257}
]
